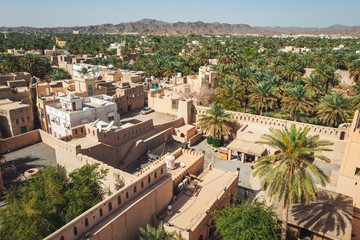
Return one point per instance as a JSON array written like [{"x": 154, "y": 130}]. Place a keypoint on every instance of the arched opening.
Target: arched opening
[
  {"x": 155, "y": 175},
  {"x": 62, "y": 238},
  {"x": 75, "y": 231},
  {"x": 119, "y": 200},
  {"x": 101, "y": 212},
  {"x": 135, "y": 189},
  {"x": 149, "y": 179},
  {"x": 162, "y": 171},
  {"x": 142, "y": 184},
  {"x": 86, "y": 222},
  {"x": 110, "y": 206},
  {"x": 182, "y": 135},
  {"x": 127, "y": 195}
]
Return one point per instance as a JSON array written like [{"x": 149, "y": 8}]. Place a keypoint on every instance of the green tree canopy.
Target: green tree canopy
[
  {"x": 249, "y": 220},
  {"x": 48, "y": 201}
]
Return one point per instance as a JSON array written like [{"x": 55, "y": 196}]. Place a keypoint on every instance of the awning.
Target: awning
[{"x": 246, "y": 147}]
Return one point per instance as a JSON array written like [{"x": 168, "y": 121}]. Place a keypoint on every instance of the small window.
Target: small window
[
  {"x": 142, "y": 184},
  {"x": 75, "y": 231},
  {"x": 28, "y": 118},
  {"x": 135, "y": 189},
  {"x": 17, "y": 121},
  {"x": 110, "y": 206},
  {"x": 82, "y": 130},
  {"x": 62, "y": 238},
  {"x": 119, "y": 200},
  {"x": 162, "y": 171},
  {"x": 357, "y": 172},
  {"x": 127, "y": 195},
  {"x": 75, "y": 131},
  {"x": 101, "y": 212},
  {"x": 22, "y": 119},
  {"x": 149, "y": 179},
  {"x": 86, "y": 222},
  {"x": 155, "y": 175}
]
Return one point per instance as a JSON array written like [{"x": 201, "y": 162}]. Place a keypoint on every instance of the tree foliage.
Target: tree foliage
[
  {"x": 48, "y": 201},
  {"x": 248, "y": 220}
]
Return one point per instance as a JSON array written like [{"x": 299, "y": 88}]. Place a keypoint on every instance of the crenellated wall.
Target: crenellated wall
[
  {"x": 329, "y": 132},
  {"x": 117, "y": 202}
]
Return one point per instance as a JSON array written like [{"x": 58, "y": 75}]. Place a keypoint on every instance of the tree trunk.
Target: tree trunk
[
  {"x": 261, "y": 112},
  {"x": 285, "y": 219},
  {"x": 244, "y": 107},
  {"x": 295, "y": 116}
]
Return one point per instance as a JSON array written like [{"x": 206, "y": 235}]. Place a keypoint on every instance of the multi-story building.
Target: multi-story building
[
  {"x": 72, "y": 111},
  {"x": 15, "y": 118},
  {"x": 129, "y": 97}
]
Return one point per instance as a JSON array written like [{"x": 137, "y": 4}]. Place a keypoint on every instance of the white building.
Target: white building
[
  {"x": 94, "y": 70},
  {"x": 73, "y": 111}
]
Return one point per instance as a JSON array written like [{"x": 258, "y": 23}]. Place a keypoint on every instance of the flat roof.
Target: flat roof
[
  {"x": 329, "y": 215},
  {"x": 186, "y": 127},
  {"x": 13, "y": 105},
  {"x": 188, "y": 209},
  {"x": 246, "y": 147}
]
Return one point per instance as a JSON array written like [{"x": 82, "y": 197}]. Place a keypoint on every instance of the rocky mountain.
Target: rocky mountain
[{"x": 152, "y": 26}]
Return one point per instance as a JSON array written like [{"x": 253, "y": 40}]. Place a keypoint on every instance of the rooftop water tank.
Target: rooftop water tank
[
  {"x": 111, "y": 66},
  {"x": 179, "y": 74},
  {"x": 152, "y": 78},
  {"x": 170, "y": 161}
]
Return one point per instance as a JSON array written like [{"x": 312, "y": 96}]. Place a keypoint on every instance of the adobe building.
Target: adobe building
[
  {"x": 129, "y": 97},
  {"x": 349, "y": 175},
  {"x": 131, "y": 78},
  {"x": 15, "y": 118}
]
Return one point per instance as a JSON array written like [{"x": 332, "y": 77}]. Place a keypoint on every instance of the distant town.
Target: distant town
[{"x": 211, "y": 136}]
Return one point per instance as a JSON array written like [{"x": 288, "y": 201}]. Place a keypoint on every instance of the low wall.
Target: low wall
[
  {"x": 98, "y": 213},
  {"x": 195, "y": 139},
  {"x": 329, "y": 132},
  {"x": 20, "y": 141},
  {"x": 171, "y": 124}
]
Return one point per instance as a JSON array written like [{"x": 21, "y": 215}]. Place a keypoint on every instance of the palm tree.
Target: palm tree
[
  {"x": 9, "y": 64},
  {"x": 297, "y": 100},
  {"x": 246, "y": 80},
  {"x": 151, "y": 233},
  {"x": 334, "y": 109},
  {"x": 288, "y": 174},
  {"x": 325, "y": 73},
  {"x": 84, "y": 71},
  {"x": 312, "y": 82},
  {"x": 293, "y": 70},
  {"x": 216, "y": 123},
  {"x": 230, "y": 94},
  {"x": 354, "y": 70},
  {"x": 31, "y": 63},
  {"x": 263, "y": 97}
]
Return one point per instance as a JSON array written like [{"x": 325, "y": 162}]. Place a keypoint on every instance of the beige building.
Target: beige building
[
  {"x": 15, "y": 118},
  {"x": 349, "y": 176},
  {"x": 129, "y": 97}
]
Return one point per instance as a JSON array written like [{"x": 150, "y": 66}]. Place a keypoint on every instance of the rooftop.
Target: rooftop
[
  {"x": 188, "y": 209},
  {"x": 14, "y": 105}
]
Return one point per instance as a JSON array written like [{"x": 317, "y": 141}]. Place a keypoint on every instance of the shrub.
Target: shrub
[
  {"x": 209, "y": 140},
  {"x": 217, "y": 143}
]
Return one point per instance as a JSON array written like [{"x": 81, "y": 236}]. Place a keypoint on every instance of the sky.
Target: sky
[{"x": 65, "y": 13}]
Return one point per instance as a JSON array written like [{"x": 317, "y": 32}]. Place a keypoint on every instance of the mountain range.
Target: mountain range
[{"x": 152, "y": 26}]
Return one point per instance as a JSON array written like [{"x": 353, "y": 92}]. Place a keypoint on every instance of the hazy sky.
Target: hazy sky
[{"x": 304, "y": 13}]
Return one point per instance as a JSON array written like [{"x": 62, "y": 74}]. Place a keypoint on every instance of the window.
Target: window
[
  {"x": 142, "y": 184},
  {"x": 135, "y": 189},
  {"x": 155, "y": 175},
  {"x": 127, "y": 195},
  {"x": 101, "y": 212},
  {"x": 75, "y": 231},
  {"x": 22, "y": 119},
  {"x": 119, "y": 200},
  {"x": 28, "y": 118},
  {"x": 86, "y": 222},
  {"x": 110, "y": 206},
  {"x": 357, "y": 172},
  {"x": 149, "y": 179},
  {"x": 17, "y": 121}
]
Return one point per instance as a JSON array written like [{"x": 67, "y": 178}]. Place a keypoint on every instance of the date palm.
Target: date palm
[
  {"x": 9, "y": 63},
  {"x": 288, "y": 175},
  {"x": 293, "y": 71},
  {"x": 230, "y": 94},
  {"x": 263, "y": 96},
  {"x": 246, "y": 79},
  {"x": 354, "y": 70},
  {"x": 312, "y": 83},
  {"x": 84, "y": 71},
  {"x": 334, "y": 109},
  {"x": 297, "y": 100},
  {"x": 325, "y": 73},
  {"x": 151, "y": 233},
  {"x": 216, "y": 122}
]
